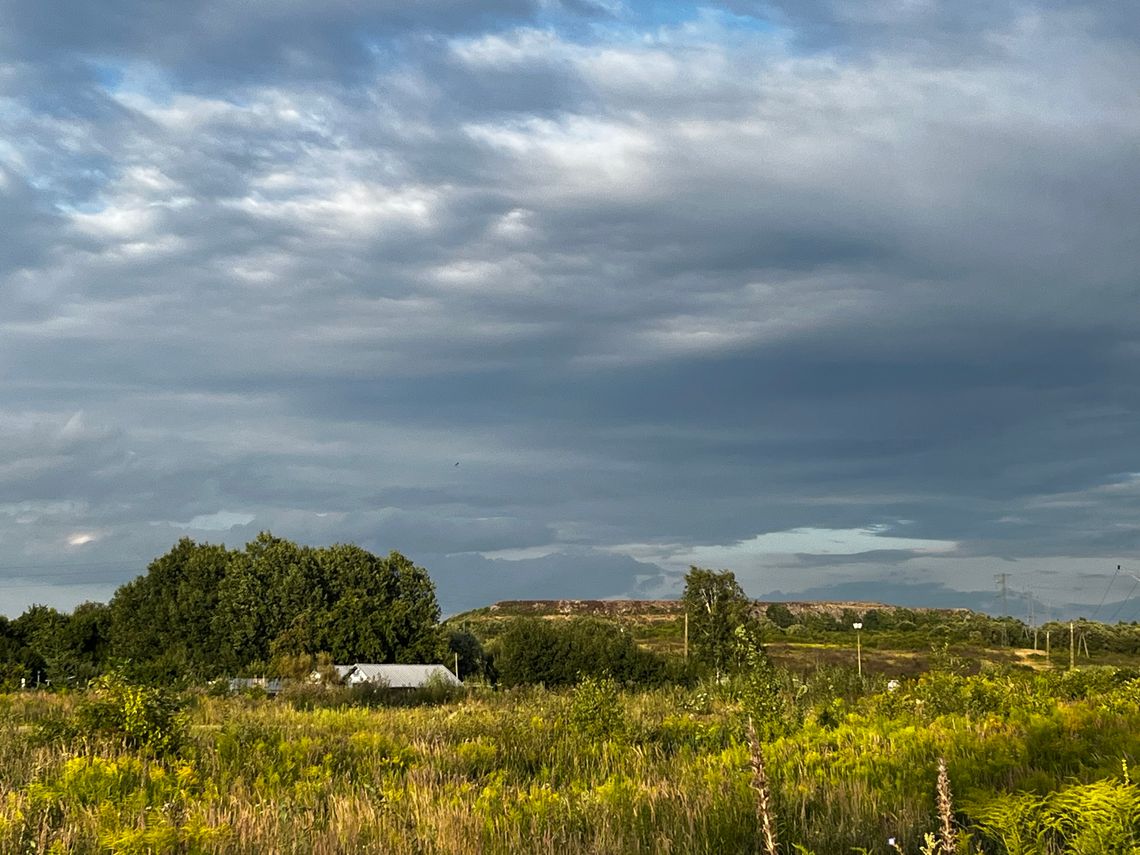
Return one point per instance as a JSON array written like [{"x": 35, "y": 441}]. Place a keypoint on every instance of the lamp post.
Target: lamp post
[{"x": 858, "y": 647}]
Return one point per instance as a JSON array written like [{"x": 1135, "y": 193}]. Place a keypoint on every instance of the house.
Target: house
[{"x": 397, "y": 676}]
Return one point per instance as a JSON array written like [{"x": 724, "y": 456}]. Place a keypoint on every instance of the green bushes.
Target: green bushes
[
  {"x": 140, "y": 716},
  {"x": 596, "y": 709},
  {"x": 550, "y": 653}
]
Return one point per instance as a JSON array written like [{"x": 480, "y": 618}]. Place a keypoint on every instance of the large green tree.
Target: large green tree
[
  {"x": 162, "y": 622},
  {"x": 381, "y": 609},
  {"x": 716, "y": 606},
  {"x": 202, "y": 610},
  {"x": 268, "y": 591}
]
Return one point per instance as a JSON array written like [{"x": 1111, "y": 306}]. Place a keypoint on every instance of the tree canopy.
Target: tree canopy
[
  {"x": 202, "y": 610},
  {"x": 717, "y": 607},
  {"x": 560, "y": 653}
]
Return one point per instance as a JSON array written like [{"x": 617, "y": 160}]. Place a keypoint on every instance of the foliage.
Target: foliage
[
  {"x": 717, "y": 607},
  {"x": 780, "y": 615},
  {"x": 163, "y": 622},
  {"x": 202, "y": 610},
  {"x": 596, "y": 709},
  {"x": 549, "y": 653},
  {"x": 1039, "y": 764},
  {"x": 139, "y": 716},
  {"x": 759, "y": 685},
  {"x": 473, "y": 658},
  {"x": 44, "y": 645}
]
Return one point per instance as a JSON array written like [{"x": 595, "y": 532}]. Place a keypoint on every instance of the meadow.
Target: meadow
[{"x": 1038, "y": 762}]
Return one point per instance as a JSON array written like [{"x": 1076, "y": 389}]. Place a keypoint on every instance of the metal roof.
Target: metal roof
[{"x": 400, "y": 676}]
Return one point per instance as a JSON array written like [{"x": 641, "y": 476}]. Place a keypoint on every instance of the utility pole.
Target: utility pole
[
  {"x": 1001, "y": 579},
  {"x": 1072, "y": 648},
  {"x": 457, "y": 677},
  {"x": 859, "y": 648}
]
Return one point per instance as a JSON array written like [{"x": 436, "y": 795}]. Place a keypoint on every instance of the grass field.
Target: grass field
[{"x": 1038, "y": 762}]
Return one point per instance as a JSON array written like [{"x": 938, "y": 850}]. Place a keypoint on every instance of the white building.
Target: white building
[{"x": 397, "y": 676}]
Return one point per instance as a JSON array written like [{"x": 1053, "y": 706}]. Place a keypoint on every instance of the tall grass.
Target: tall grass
[{"x": 1034, "y": 763}]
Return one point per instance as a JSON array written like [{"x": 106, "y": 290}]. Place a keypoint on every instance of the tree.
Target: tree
[
  {"x": 15, "y": 656},
  {"x": 43, "y": 630},
  {"x": 561, "y": 653},
  {"x": 203, "y": 610},
  {"x": 381, "y": 609},
  {"x": 163, "y": 621},
  {"x": 530, "y": 652},
  {"x": 716, "y": 606},
  {"x": 265, "y": 591},
  {"x": 472, "y": 657},
  {"x": 781, "y": 615}
]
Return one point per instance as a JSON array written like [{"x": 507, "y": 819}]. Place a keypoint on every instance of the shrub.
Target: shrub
[
  {"x": 534, "y": 651},
  {"x": 140, "y": 716},
  {"x": 596, "y": 709}
]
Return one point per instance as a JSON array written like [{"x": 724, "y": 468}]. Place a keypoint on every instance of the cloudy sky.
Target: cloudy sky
[{"x": 837, "y": 294}]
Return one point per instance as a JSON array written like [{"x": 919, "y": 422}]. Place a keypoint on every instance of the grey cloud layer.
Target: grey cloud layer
[{"x": 682, "y": 284}]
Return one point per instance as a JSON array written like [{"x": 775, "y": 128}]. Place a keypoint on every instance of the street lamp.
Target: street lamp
[{"x": 858, "y": 647}]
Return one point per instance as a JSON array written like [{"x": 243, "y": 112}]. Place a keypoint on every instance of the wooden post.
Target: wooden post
[
  {"x": 457, "y": 665},
  {"x": 859, "y": 652}
]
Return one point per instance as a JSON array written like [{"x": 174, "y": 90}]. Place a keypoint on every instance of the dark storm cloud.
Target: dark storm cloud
[
  {"x": 941, "y": 32},
  {"x": 207, "y": 40},
  {"x": 26, "y": 223},
  {"x": 658, "y": 286}
]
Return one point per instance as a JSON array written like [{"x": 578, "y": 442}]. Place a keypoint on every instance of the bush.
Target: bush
[
  {"x": 140, "y": 716},
  {"x": 780, "y": 615},
  {"x": 534, "y": 651},
  {"x": 596, "y": 709}
]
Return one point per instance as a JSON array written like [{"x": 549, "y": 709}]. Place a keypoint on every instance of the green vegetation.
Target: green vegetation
[
  {"x": 717, "y": 608},
  {"x": 1039, "y": 763},
  {"x": 534, "y": 651},
  {"x": 582, "y": 728},
  {"x": 202, "y": 611}
]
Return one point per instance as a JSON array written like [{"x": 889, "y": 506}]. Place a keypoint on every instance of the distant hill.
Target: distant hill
[
  {"x": 657, "y": 609},
  {"x": 806, "y": 635}
]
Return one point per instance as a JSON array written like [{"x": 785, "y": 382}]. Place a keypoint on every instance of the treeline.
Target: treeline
[
  {"x": 561, "y": 653},
  {"x": 958, "y": 626},
  {"x": 902, "y": 627},
  {"x": 203, "y": 611},
  {"x": 566, "y": 651}
]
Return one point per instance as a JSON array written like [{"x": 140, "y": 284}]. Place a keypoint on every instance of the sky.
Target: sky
[{"x": 560, "y": 297}]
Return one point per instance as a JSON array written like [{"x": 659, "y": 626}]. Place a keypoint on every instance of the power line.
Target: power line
[
  {"x": 1104, "y": 596},
  {"x": 1002, "y": 579},
  {"x": 1124, "y": 602}
]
